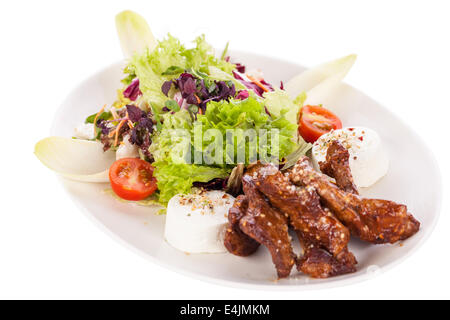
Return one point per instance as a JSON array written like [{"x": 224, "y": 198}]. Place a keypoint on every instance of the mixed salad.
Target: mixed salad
[{"x": 145, "y": 145}]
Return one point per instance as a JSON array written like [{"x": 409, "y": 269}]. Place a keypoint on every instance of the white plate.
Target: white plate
[{"x": 413, "y": 179}]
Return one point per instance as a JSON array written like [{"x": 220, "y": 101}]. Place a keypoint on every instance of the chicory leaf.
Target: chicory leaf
[
  {"x": 319, "y": 82},
  {"x": 134, "y": 33},
  {"x": 75, "y": 159}
]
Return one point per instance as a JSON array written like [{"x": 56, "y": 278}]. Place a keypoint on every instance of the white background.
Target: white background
[{"x": 48, "y": 249}]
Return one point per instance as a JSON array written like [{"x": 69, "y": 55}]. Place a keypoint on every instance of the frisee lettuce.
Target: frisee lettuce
[
  {"x": 279, "y": 101},
  {"x": 239, "y": 116},
  {"x": 170, "y": 144},
  {"x": 170, "y": 147},
  {"x": 178, "y": 178},
  {"x": 175, "y": 146},
  {"x": 151, "y": 67}
]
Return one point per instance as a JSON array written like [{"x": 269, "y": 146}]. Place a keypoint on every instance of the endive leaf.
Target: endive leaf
[
  {"x": 75, "y": 159},
  {"x": 134, "y": 33},
  {"x": 318, "y": 82}
]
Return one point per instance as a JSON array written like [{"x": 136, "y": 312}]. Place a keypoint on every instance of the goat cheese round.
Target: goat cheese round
[
  {"x": 126, "y": 149},
  {"x": 196, "y": 223},
  {"x": 368, "y": 160},
  {"x": 85, "y": 131}
]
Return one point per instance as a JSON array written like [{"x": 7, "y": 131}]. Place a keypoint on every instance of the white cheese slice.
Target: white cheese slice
[
  {"x": 368, "y": 160},
  {"x": 196, "y": 223},
  {"x": 85, "y": 131},
  {"x": 126, "y": 149}
]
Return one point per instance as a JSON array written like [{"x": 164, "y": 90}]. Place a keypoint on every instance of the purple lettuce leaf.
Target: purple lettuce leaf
[{"x": 132, "y": 91}]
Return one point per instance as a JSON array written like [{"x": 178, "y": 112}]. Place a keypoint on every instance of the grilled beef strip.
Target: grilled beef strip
[
  {"x": 265, "y": 225},
  {"x": 236, "y": 241},
  {"x": 373, "y": 220},
  {"x": 337, "y": 166}
]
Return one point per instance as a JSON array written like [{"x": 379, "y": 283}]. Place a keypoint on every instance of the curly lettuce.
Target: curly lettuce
[
  {"x": 151, "y": 67},
  {"x": 182, "y": 148},
  {"x": 178, "y": 178},
  {"x": 172, "y": 143},
  {"x": 171, "y": 149},
  {"x": 278, "y": 102},
  {"x": 232, "y": 121}
]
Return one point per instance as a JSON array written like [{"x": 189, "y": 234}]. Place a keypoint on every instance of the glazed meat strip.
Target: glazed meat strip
[
  {"x": 372, "y": 220},
  {"x": 302, "y": 206},
  {"x": 319, "y": 263},
  {"x": 337, "y": 167},
  {"x": 262, "y": 223},
  {"x": 323, "y": 238},
  {"x": 237, "y": 242}
]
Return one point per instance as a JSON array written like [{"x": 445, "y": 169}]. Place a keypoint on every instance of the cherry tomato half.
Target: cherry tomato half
[
  {"x": 315, "y": 121},
  {"x": 132, "y": 179}
]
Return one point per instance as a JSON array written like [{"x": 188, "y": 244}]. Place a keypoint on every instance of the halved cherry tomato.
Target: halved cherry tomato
[
  {"x": 132, "y": 179},
  {"x": 315, "y": 121}
]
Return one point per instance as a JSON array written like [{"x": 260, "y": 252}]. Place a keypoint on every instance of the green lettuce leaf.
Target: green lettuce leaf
[
  {"x": 170, "y": 149},
  {"x": 154, "y": 67},
  {"x": 202, "y": 56},
  {"x": 243, "y": 114},
  {"x": 172, "y": 144},
  {"x": 279, "y": 100},
  {"x": 178, "y": 178},
  {"x": 220, "y": 75}
]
